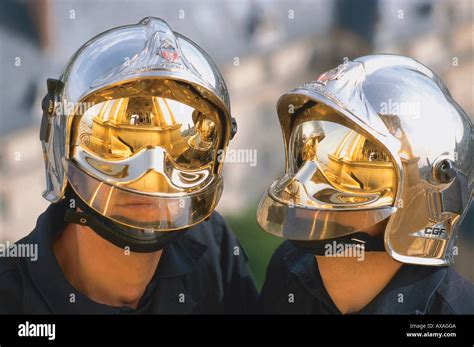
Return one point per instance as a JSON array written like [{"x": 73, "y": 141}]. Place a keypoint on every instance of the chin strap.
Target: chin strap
[
  {"x": 120, "y": 236},
  {"x": 363, "y": 240}
]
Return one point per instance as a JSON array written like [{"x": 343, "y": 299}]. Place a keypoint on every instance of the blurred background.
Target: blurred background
[{"x": 264, "y": 48}]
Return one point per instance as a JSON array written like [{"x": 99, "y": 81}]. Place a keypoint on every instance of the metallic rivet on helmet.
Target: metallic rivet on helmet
[
  {"x": 83, "y": 220},
  {"x": 444, "y": 171},
  {"x": 50, "y": 106}
]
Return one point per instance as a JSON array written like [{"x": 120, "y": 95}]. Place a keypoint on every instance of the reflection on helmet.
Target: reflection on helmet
[
  {"x": 127, "y": 140},
  {"x": 119, "y": 128},
  {"x": 376, "y": 139},
  {"x": 336, "y": 174},
  {"x": 139, "y": 146},
  {"x": 346, "y": 159},
  {"x": 145, "y": 147}
]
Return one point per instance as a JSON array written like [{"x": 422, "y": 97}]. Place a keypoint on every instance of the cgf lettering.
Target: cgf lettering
[{"x": 435, "y": 231}]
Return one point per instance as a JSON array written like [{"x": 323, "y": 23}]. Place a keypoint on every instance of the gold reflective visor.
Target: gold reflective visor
[
  {"x": 347, "y": 160},
  {"x": 119, "y": 128},
  {"x": 337, "y": 182},
  {"x": 144, "y": 155}
]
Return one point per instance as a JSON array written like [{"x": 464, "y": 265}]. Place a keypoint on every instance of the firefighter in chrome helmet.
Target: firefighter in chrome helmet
[
  {"x": 134, "y": 130},
  {"x": 378, "y": 157},
  {"x": 131, "y": 134}
]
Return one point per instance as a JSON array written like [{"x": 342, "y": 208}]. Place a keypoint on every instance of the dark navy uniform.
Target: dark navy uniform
[
  {"x": 201, "y": 272},
  {"x": 293, "y": 285}
]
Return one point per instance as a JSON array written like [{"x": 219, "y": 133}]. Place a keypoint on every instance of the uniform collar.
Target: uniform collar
[
  {"x": 178, "y": 259},
  {"x": 409, "y": 292}
]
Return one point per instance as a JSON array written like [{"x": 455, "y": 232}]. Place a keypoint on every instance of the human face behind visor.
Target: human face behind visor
[
  {"x": 146, "y": 160},
  {"x": 338, "y": 182}
]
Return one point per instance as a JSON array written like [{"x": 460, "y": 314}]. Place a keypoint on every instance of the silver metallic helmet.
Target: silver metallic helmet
[
  {"x": 376, "y": 140},
  {"x": 135, "y": 127}
]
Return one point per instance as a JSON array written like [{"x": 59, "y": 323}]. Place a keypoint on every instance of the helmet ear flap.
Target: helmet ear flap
[
  {"x": 48, "y": 107},
  {"x": 54, "y": 172}
]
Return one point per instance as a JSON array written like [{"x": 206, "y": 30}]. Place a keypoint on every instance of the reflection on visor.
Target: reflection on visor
[
  {"x": 144, "y": 155},
  {"x": 338, "y": 182},
  {"x": 119, "y": 128},
  {"x": 148, "y": 144},
  {"x": 338, "y": 165}
]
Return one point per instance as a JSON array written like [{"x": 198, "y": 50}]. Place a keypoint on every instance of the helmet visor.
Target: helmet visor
[
  {"x": 119, "y": 140},
  {"x": 338, "y": 182},
  {"x": 147, "y": 212},
  {"x": 144, "y": 155}
]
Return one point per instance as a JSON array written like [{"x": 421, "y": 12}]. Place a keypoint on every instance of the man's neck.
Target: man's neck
[
  {"x": 105, "y": 273},
  {"x": 351, "y": 283}
]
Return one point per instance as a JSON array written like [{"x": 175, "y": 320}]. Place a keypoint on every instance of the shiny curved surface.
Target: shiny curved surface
[
  {"x": 144, "y": 111},
  {"x": 407, "y": 110},
  {"x": 149, "y": 213},
  {"x": 149, "y": 50}
]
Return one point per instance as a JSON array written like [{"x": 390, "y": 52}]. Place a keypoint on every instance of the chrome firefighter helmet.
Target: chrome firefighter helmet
[
  {"x": 376, "y": 140},
  {"x": 135, "y": 127}
]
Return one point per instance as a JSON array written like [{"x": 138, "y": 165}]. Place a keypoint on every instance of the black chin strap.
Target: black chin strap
[
  {"x": 115, "y": 233},
  {"x": 365, "y": 241}
]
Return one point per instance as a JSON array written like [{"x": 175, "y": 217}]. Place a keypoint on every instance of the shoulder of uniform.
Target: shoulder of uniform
[
  {"x": 10, "y": 263},
  {"x": 7, "y": 265},
  {"x": 456, "y": 293},
  {"x": 219, "y": 245},
  {"x": 212, "y": 232},
  {"x": 284, "y": 250},
  {"x": 11, "y": 285},
  {"x": 278, "y": 261}
]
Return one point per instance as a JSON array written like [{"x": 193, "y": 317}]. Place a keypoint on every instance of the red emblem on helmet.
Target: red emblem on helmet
[{"x": 168, "y": 51}]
